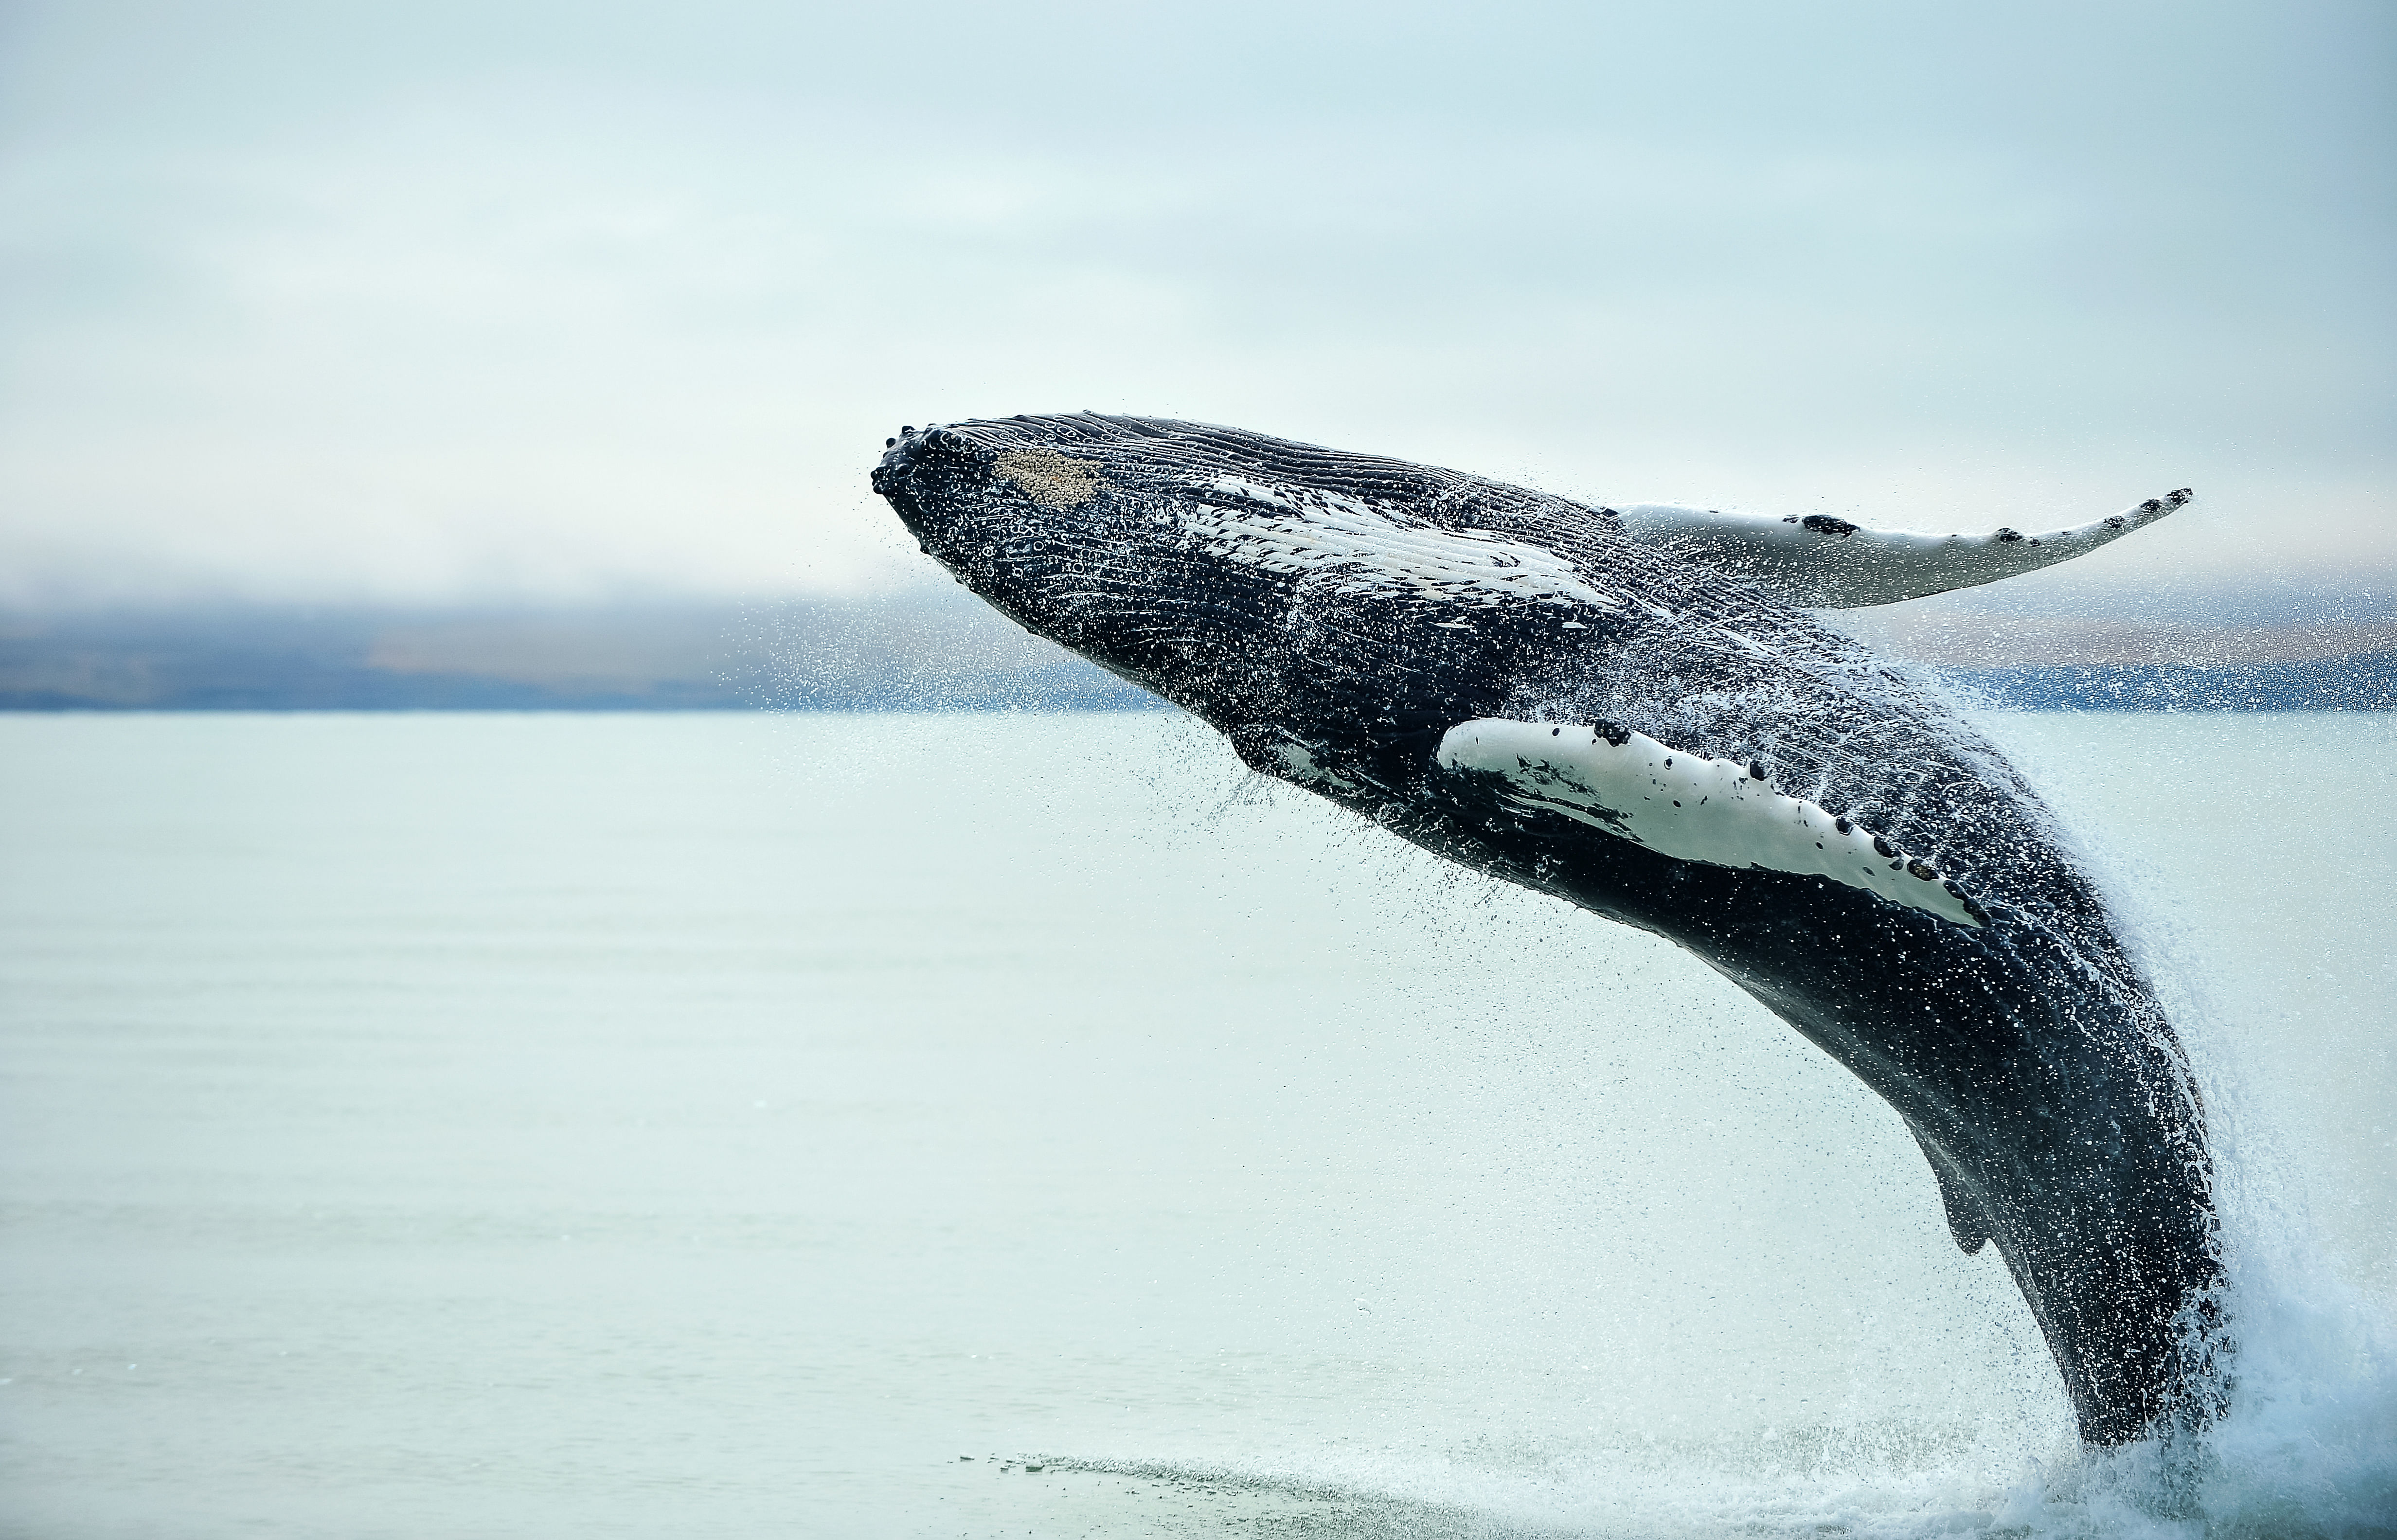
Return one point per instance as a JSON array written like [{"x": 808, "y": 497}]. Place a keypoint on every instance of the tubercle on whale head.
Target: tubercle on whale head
[
  {"x": 1019, "y": 553},
  {"x": 1239, "y": 590},
  {"x": 908, "y": 460},
  {"x": 1024, "y": 519}
]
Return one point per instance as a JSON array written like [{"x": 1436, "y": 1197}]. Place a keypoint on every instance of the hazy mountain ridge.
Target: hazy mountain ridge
[
  {"x": 909, "y": 654},
  {"x": 937, "y": 652}
]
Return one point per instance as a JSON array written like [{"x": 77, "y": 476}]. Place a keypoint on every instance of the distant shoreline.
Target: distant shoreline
[
  {"x": 2267, "y": 688},
  {"x": 939, "y": 653}
]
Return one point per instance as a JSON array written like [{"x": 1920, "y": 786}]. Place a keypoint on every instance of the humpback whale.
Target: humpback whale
[{"x": 1631, "y": 709}]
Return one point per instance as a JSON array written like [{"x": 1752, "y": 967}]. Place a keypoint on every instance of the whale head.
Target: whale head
[{"x": 1314, "y": 605}]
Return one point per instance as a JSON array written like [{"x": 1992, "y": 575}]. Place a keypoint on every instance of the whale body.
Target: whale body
[{"x": 1627, "y": 708}]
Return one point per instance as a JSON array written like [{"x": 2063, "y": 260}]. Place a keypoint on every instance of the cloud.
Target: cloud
[{"x": 326, "y": 302}]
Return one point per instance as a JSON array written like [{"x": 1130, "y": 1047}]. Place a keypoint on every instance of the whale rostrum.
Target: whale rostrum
[{"x": 1627, "y": 708}]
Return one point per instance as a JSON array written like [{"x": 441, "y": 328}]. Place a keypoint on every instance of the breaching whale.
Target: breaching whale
[{"x": 1626, "y": 707}]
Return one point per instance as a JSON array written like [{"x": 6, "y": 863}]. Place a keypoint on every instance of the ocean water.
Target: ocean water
[{"x": 880, "y": 1126}]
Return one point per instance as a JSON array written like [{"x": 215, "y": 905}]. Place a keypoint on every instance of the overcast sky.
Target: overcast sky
[{"x": 488, "y": 301}]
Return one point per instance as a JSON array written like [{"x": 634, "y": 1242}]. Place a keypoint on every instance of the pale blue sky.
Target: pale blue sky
[{"x": 554, "y": 300}]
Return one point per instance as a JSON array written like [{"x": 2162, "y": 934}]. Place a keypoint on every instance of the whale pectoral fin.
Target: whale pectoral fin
[
  {"x": 1686, "y": 805},
  {"x": 1828, "y": 563},
  {"x": 1966, "y": 1219}
]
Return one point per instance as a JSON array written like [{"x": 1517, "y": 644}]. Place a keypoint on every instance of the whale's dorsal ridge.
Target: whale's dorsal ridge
[{"x": 1822, "y": 562}]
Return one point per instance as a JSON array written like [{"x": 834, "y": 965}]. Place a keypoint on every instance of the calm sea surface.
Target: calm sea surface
[{"x": 594, "y": 1126}]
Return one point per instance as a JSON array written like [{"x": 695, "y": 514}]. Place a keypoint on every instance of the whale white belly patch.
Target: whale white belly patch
[{"x": 1691, "y": 808}]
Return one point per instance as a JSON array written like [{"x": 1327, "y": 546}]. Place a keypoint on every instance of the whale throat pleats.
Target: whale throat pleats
[
  {"x": 1691, "y": 808},
  {"x": 1828, "y": 563}
]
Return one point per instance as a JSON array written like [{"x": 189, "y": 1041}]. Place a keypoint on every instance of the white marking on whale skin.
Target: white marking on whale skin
[
  {"x": 1832, "y": 564},
  {"x": 1688, "y": 807},
  {"x": 1369, "y": 550},
  {"x": 1302, "y": 769}
]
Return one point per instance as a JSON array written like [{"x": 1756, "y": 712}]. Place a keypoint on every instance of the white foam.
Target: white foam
[{"x": 1689, "y": 807}]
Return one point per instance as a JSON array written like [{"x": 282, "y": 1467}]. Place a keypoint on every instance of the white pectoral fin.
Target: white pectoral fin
[
  {"x": 1828, "y": 563},
  {"x": 1691, "y": 808}
]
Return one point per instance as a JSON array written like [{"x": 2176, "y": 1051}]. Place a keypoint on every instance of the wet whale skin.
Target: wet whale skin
[{"x": 1336, "y": 615}]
